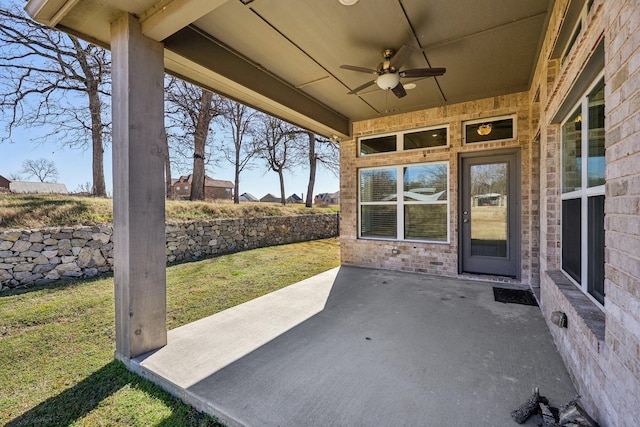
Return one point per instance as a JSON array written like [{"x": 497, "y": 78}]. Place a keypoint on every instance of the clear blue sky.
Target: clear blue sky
[{"x": 74, "y": 167}]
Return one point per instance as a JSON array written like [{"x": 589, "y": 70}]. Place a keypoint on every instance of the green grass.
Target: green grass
[
  {"x": 57, "y": 342},
  {"x": 39, "y": 211}
]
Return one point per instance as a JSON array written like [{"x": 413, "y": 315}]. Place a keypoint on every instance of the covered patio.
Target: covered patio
[
  {"x": 359, "y": 346},
  {"x": 526, "y": 85}
]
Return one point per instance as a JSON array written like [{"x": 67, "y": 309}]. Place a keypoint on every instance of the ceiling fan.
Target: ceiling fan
[{"x": 389, "y": 73}]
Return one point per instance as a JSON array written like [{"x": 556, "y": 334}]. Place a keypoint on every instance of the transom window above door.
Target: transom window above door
[
  {"x": 424, "y": 138},
  {"x": 489, "y": 129}
]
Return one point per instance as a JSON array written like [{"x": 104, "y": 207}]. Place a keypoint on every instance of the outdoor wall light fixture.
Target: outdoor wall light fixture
[
  {"x": 388, "y": 80},
  {"x": 348, "y": 2},
  {"x": 559, "y": 319},
  {"x": 484, "y": 129}
]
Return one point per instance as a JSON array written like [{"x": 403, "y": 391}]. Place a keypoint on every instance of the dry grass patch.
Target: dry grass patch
[{"x": 40, "y": 211}]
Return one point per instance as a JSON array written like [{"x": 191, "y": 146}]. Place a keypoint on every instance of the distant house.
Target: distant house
[
  {"x": 21, "y": 187},
  {"x": 270, "y": 198},
  {"x": 326, "y": 199},
  {"x": 248, "y": 197},
  {"x": 214, "y": 189},
  {"x": 294, "y": 198},
  {"x": 4, "y": 183}
]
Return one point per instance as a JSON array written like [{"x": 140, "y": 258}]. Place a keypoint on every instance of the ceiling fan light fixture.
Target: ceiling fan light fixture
[
  {"x": 348, "y": 2},
  {"x": 388, "y": 80},
  {"x": 484, "y": 129}
]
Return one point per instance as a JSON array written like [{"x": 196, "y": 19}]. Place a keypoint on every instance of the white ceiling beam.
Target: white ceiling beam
[
  {"x": 49, "y": 12},
  {"x": 168, "y": 16}
]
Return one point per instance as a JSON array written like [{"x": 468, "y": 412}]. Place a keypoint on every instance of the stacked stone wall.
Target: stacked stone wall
[{"x": 42, "y": 256}]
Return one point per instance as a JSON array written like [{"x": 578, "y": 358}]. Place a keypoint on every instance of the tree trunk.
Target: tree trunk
[
  {"x": 97, "y": 167},
  {"x": 236, "y": 182},
  {"x": 283, "y": 199},
  {"x": 167, "y": 168},
  {"x": 312, "y": 169},
  {"x": 200, "y": 140}
]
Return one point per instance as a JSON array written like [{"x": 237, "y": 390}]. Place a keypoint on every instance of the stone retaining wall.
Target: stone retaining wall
[{"x": 42, "y": 256}]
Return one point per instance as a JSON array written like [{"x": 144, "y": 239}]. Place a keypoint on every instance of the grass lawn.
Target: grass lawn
[
  {"x": 57, "y": 342},
  {"x": 39, "y": 211}
]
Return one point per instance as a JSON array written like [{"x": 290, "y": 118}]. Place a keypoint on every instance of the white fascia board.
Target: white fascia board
[{"x": 167, "y": 17}]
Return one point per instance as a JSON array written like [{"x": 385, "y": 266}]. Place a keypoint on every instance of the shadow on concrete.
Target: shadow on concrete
[{"x": 391, "y": 348}]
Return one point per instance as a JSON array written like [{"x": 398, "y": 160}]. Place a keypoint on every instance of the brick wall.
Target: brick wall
[
  {"x": 622, "y": 209},
  {"x": 42, "y": 256},
  {"x": 601, "y": 348},
  {"x": 436, "y": 258}
]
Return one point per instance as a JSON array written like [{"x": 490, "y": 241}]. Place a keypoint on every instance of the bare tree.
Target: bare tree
[
  {"x": 84, "y": 188},
  {"x": 238, "y": 118},
  {"x": 14, "y": 176},
  {"x": 42, "y": 169},
  {"x": 276, "y": 142},
  {"x": 321, "y": 151},
  {"x": 54, "y": 80},
  {"x": 191, "y": 110},
  {"x": 168, "y": 187}
]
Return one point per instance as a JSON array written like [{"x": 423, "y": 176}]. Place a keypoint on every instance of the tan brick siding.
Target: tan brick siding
[
  {"x": 435, "y": 258},
  {"x": 603, "y": 358}
]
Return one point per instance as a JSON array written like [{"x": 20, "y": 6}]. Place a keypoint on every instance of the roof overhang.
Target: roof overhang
[{"x": 284, "y": 58}]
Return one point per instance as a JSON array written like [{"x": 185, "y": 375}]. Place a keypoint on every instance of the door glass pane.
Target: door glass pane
[
  {"x": 489, "y": 225},
  {"x": 595, "y": 164},
  {"x": 572, "y": 153}
]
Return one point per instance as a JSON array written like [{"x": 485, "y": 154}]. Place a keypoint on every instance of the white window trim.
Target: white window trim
[
  {"x": 400, "y": 140},
  {"x": 400, "y": 203},
  {"x": 581, "y": 21},
  {"x": 490, "y": 120},
  {"x": 584, "y": 193}
]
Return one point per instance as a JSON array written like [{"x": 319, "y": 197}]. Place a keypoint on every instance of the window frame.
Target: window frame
[
  {"x": 466, "y": 123},
  {"x": 400, "y": 203},
  {"x": 576, "y": 30},
  {"x": 399, "y": 135},
  {"x": 583, "y": 193}
]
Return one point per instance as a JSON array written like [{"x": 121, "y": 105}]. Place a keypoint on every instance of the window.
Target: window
[
  {"x": 493, "y": 129},
  {"x": 426, "y": 138},
  {"x": 178, "y": 188},
  {"x": 421, "y": 212},
  {"x": 583, "y": 178},
  {"x": 575, "y": 20},
  {"x": 186, "y": 188},
  {"x": 381, "y": 144}
]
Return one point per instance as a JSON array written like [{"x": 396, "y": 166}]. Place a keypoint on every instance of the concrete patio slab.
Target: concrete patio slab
[{"x": 356, "y": 346}]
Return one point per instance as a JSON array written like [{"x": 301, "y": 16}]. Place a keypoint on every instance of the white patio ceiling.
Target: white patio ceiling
[{"x": 284, "y": 56}]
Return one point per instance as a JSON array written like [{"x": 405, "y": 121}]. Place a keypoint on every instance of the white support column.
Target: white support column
[{"x": 138, "y": 189}]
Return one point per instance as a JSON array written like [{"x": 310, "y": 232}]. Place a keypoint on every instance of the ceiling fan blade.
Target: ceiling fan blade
[
  {"x": 359, "y": 88},
  {"x": 359, "y": 69},
  {"x": 423, "y": 72},
  {"x": 400, "y": 57},
  {"x": 399, "y": 91}
]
